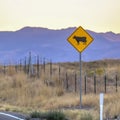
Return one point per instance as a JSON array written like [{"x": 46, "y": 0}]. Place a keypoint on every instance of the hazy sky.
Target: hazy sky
[{"x": 96, "y": 15}]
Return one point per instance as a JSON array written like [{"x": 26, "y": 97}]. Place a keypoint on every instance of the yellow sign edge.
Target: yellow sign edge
[{"x": 85, "y": 32}]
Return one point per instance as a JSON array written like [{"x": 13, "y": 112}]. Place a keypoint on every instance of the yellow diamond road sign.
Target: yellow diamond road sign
[{"x": 80, "y": 39}]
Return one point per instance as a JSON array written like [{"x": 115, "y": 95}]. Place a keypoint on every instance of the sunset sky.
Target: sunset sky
[{"x": 96, "y": 15}]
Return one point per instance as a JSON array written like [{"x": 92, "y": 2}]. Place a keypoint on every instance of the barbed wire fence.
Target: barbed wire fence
[{"x": 56, "y": 74}]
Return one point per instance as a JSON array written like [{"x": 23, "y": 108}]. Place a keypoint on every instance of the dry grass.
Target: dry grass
[
  {"x": 18, "y": 92},
  {"x": 31, "y": 94}
]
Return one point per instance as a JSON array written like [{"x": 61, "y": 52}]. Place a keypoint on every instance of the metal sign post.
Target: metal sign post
[
  {"x": 80, "y": 80},
  {"x": 80, "y": 39}
]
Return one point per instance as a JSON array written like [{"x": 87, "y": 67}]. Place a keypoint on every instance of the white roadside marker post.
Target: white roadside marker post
[{"x": 101, "y": 105}]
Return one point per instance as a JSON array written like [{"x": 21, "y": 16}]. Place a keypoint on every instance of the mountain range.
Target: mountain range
[{"x": 53, "y": 44}]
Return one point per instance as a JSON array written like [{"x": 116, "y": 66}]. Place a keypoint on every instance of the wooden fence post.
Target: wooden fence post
[
  {"x": 50, "y": 69},
  {"x": 38, "y": 69},
  {"x": 44, "y": 69},
  {"x": 25, "y": 66},
  {"x": 105, "y": 78},
  {"x": 67, "y": 86},
  {"x": 94, "y": 83},
  {"x": 20, "y": 65},
  {"x": 85, "y": 77},
  {"x": 4, "y": 69},
  {"x": 44, "y": 65},
  {"x": 116, "y": 82},
  {"x": 75, "y": 82},
  {"x": 59, "y": 74},
  {"x": 29, "y": 64}
]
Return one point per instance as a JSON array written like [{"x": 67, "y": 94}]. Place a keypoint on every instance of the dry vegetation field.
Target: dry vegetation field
[{"x": 57, "y": 90}]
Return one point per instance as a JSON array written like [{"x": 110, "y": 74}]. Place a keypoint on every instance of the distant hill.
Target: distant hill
[{"x": 53, "y": 44}]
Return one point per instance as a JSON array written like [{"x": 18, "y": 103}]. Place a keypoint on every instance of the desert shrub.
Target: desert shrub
[
  {"x": 55, "y": 115},
  {"x": 37, "y": 115},
  {"x": 100, "y": 71}
]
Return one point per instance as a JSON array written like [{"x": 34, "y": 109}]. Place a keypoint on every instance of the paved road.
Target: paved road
[{"x": 11, "y": 116}]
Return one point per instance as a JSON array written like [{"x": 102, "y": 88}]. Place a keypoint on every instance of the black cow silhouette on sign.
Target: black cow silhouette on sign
[{"x": 80, "y": 39}]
